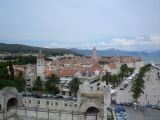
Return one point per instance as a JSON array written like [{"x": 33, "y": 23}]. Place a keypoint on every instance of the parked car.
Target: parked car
[
  {"x": 49, "y": 95},
  {"x": 158, "y": 107},
  {"x": 153, "y": 106},
  {"x": 129, "y": 104},
  {"x": 121, "y": 88},
  {"x": 23, "y": 93},
  {"x": 119, "y": 109},
  {"x": 58, "y": 96},
  {"x": 44, "y": 95},
  {"x": 134, "y": 104},
  {"x": 148, "y": 106}
]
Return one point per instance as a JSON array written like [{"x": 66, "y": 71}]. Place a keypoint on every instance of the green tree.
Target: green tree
[
  {"x": 124, "y": 70},
  {"x": 38, "y": 84},
  {"x": 137, "y": 89},
  {"x": 4, "y": 71},
  {"x": 138, "y": 84},
  {"x": 52, "y": 84},
  {"x": 20, "y": 83},
  {"x": 5, "y": 83},
  {"x": 114, "y": 80},
  {"x": 74, "y": 85}
]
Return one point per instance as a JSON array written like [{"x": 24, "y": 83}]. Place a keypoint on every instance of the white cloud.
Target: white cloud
[{"x": 155, "y": 40}]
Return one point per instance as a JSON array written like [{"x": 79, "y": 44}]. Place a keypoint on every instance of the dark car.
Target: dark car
[
  {"x": 129, "y": 104},
  {"x": 119, "y": 109},
  {"x": 58, "y": 96},
  {"x": 148, "y": 106},
  {"x": 121, "y": 88},
  {"x": 158, "y": 107}
]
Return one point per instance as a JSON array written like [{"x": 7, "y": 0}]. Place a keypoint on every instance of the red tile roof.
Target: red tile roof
[{"x": 112, "y": 65}]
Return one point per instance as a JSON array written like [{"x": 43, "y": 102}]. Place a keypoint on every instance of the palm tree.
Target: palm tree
[
  {"x": 137, "y": 90},
  {"x": 38, "y": 84},
  {"x": 106, "y": 77},
  {"x": 52, "y": 84},
  {"x": 74, "y": 85}
]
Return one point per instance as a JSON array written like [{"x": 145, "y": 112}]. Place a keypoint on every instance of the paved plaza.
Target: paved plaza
[
  {"x": 151, "y": 91},
  {"x": 150, "y": 114}
]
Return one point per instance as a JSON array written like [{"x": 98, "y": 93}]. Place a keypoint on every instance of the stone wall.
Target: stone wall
[
  {"x": 32, "y": 114},
  {"x": 50, "y": 104}
]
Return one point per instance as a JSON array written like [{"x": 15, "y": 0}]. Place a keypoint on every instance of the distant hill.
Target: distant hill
[
  {"x": 110, "y": 52},
  {"x": 147, "y": 56},
  {"x": 17, "y": 48}
]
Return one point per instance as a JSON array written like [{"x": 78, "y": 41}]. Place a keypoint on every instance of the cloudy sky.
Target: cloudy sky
[{"x": 122, "y": 24}]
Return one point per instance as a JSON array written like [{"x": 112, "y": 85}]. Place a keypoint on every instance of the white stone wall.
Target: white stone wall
[
  {"x": 50, "y": 104},
  {"x": 28, "y": 114},
  {"x": 1, "y": 99}
]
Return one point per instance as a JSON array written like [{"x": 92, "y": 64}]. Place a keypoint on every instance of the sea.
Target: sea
[{"x": 151, "y": 59}]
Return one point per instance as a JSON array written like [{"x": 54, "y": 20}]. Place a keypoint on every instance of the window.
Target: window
[
  {"x": 56, "y": 103},
  {"x": 65, "y": 104},
  {"x": 75, "y": 105},
  {"x": 63, "y": 92},
  {"x": 47, "y": 103},
  {"x": 51, "y": 103},
  {"x": 29, "y": 101},
  {"x": 38, "y": 101}
]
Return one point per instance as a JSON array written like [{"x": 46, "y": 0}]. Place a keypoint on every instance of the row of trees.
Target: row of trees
[
  {"x": 138, "y": 83},
  {"x": 116, "y": 80},
  {"x": 52, "y": 85}
]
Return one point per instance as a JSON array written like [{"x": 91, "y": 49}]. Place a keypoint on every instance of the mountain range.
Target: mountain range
[
  {"x": 115, "y": 52},
  {"x": 17, "y": 48},
  {"x": 147, "y": 56}
]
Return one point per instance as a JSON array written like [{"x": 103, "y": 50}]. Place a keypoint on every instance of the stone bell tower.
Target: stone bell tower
[
  {"x": 94, "y": 56},
  {"x": 40, "y": 65}
]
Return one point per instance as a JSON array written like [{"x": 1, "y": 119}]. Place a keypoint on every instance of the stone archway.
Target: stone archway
[
  {"x": 92, "y": 110},
  {"x": 92, "y": 113},
  {"x": 9, "y": 98},
  {"x": 12, "y": 102}
]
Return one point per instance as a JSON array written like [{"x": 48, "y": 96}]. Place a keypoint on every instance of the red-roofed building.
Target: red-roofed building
[{"x": 112, "y": 68}]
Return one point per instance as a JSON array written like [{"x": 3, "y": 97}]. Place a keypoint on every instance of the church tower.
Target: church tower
[
  {"x": 40, "y": 65},
  {"x": 94, "y": 56}
]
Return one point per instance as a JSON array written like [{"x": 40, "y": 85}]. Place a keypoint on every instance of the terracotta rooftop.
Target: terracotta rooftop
[
  {"x": 112, "y": 65},
  {"x": 68, "y": 72}
]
